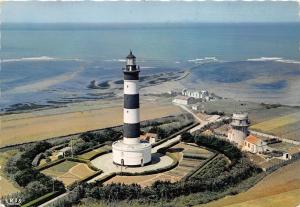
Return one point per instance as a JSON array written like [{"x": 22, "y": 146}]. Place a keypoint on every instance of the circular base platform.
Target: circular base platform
[{"x": 137, "y": 154}]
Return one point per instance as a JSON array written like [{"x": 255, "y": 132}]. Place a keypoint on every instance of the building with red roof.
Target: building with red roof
[{"x": 254, "y": 144}]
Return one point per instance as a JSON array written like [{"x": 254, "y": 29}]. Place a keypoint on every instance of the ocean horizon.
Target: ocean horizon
[{"x": 50, "y": 62}]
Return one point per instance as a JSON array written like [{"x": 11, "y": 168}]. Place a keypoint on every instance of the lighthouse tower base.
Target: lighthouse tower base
[{"x": 137, "y": 154}]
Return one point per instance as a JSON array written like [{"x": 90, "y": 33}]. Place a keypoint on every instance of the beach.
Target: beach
[{"x": 74, "y": 118}]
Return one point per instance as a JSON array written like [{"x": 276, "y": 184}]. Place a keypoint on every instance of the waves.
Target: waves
[
  {"x": 276, "y": 59},
  {"x": 204, "y": 60},
  {"x": 262, "y": 59},
  {"x": 37, "y": 59},
  {"x": 116, "y": 60}
]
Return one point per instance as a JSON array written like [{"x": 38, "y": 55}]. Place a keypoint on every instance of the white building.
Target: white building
[
  {"x": 254, "y": 144},
  {"x": 197, "y": 94},
  {"x": 183, "y": 100},
  {"x": 64, "y": 151},
  {"x": 238, "y": 128}
]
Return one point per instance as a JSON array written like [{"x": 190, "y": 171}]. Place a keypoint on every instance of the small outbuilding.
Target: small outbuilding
[
  {"x": 64, "y": 151},
  {"x": 254, "y": 144},
  {"x": 150, "y": 137}
]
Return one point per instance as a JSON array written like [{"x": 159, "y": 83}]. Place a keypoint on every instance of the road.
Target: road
[{"x": 203, "y": 123}]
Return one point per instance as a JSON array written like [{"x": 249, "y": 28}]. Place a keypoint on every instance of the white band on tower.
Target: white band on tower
[
  {"x": 131, "y": 87},
  {"x": 131, "y": 116}
]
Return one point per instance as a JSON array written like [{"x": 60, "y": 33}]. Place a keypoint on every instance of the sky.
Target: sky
[{"x": 149, "y": 12}]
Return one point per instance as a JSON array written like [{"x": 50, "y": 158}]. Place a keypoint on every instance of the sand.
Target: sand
[
  {"x": 45, "y": 84},
  {"x": 21, "y": 128}
]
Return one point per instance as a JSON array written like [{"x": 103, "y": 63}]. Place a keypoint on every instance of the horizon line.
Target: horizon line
[{"x": 173, "y": 22}]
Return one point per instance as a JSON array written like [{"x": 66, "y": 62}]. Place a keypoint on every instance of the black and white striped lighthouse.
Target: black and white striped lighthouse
[
  {"x": 130, "y": 151},
  {"x": 131, "y": 129}
]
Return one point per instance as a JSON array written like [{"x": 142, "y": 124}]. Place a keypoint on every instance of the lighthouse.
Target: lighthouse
[{"x": 130, "y": 151}]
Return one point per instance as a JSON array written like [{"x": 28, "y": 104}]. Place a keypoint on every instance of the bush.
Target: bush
[
  {"x": 33, "y": 182},
  {"x": 187, "y": 137},
  {"x": 42, "y": 199},
  {"x": 220, "y": 145},
  {"x": 91, "y": 139}
]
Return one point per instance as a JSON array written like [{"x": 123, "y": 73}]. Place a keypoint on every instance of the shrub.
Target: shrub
[
  {"x": 33, "y": 182},
  {"x": 187, "y": 137},
  {"x": 232, "y": 152},
  {"x": 42, "y": 199}
]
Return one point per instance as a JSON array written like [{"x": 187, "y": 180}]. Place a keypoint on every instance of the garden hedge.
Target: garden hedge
[{"x": 42, "y": 199}]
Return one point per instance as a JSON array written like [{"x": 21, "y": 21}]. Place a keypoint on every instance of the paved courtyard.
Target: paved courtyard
[{"x": 105, "y": 163}]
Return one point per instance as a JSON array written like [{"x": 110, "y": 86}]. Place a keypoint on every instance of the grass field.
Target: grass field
[
  {"x": 91, "y": 154},
  {"x": 6, "y": 187},
  {"x": 68, "y": 172},
  {"x": 194, "y": 149},
  {"x": 59, "y": 169},
  {"x": 280, "y": 186},
  {"x": 286, "y": 199},
  {"x": 260, "y": 115},
  {"x": 287, "y": 126},
  {"x": 26, "y": 127}
]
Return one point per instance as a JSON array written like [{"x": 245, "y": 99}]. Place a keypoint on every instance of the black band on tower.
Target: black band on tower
[
  {"x": 131, "y": 130},
  {"x": 131, "y": 75},
  {"x": 131, "y": 101}
]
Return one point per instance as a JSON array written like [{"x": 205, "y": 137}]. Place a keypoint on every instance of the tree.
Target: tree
[
  {"x": 25, "y": 176},
  {"x": 35, "y": 189},
  {"x": 187, "y": 137}
]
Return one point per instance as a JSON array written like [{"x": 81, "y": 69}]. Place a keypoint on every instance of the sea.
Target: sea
[{"x": 53, "y": 63}]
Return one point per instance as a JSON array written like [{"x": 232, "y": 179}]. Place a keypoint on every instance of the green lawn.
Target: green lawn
[
  {"x": 91, "y": 154},
  {"x": 59, "y": 169}
]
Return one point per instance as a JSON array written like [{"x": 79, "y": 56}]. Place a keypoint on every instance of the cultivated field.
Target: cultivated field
[
  {"x": 281, "y": 121},
  {"x": 193, "y": 149},
  {"x": 6, "y": 187},
  {"x": 263, "y": 114},
  {"x": 286, "y": 199},
  {"x": 280, "y": 186},
  {"x": 68, "y": 172},
  {"x": 287, "y": 126},
  {"x": 26, "y": 127}
]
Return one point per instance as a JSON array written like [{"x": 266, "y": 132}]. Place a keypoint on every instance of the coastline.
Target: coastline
[{"x": 80, "y": 117}]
